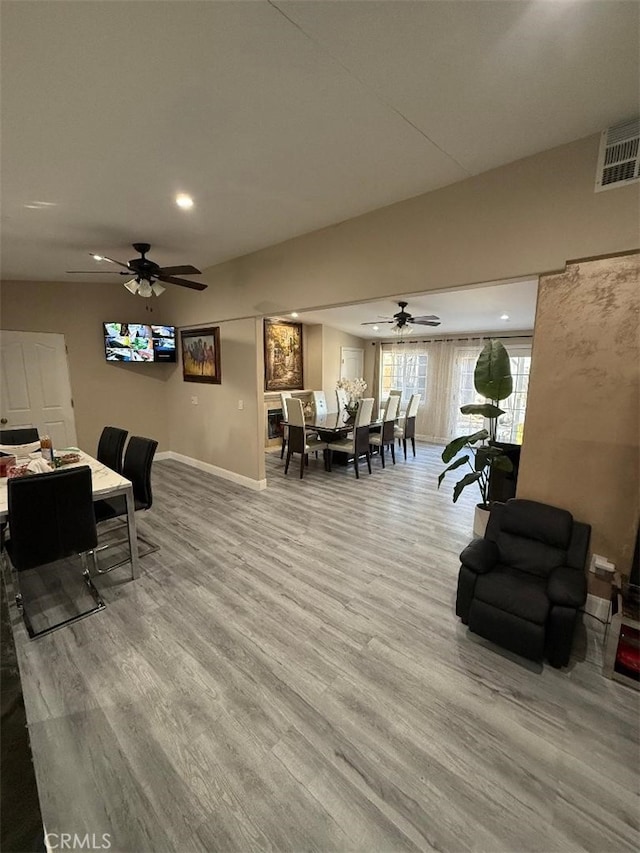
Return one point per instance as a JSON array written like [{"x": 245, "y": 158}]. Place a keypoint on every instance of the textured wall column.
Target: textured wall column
[{"x": 582, "y": 428}]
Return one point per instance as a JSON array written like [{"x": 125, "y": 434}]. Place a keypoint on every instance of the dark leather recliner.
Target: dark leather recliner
[{"x": 524, "y": 583}]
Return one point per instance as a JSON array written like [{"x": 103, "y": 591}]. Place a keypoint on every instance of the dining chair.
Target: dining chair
[
  {"x": 22, "y": 435},
  {"x": 284, "y": 396},
  {"x": 407, "y": 429},
  {"x": 138, "y": 459},
  {"x": 319, "y": 402},
  {"x": 51, "y": 518},
  {"x": 299, "y": 440},
  {"x": 386, "y": 437},
  {"x": 110, "y": 447},
  {"x": 358, "y": 444},
  {"x": 342, "y": 398}
]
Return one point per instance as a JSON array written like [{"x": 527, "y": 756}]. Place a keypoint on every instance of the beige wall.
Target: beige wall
[
  {"x": 582, "y": 430},
  {"x": 312, "y": 338},
  {"x": 131, "y": 396},
  {"x": 524, "y": 218},
  {"x": 216, "y": 430},
  {"x": 333, "y": 342}
]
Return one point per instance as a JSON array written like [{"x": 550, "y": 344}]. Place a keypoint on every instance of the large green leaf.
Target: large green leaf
[
  {"x": 461, "y": 461},
  {"x": 464, "y": 482},
  {"x": 487, "y": 410},
  {"x": 492, "y": 376},
  {"x": 454, "y": 447}
]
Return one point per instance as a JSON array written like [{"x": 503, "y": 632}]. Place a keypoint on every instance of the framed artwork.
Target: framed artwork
[
  {"x": 282, "y": 356},
  {"x": 201, "y": 355}
]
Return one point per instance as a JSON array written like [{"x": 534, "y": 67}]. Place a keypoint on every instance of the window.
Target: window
[
  {"x": 405, "y": 371},
  {"x": 510, "y": 425}
]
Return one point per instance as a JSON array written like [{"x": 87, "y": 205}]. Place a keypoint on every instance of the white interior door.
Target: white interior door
[
  {"x": 35, "y": 389},
  {"x": 351, "y": 363}
]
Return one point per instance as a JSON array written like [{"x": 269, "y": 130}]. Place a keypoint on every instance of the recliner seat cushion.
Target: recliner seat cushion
[{"x": 520, "y": 595}]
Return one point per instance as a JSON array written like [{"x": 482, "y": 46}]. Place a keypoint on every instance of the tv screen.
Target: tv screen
[{"x": 139, "y": 342}]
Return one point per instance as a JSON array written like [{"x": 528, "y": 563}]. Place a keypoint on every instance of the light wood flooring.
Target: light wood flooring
[{"x": 288, "y": 674}]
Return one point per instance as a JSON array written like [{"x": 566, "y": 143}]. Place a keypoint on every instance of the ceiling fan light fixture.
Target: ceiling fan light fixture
[
  {"x": 401, "y": 330},
  {"x": 132, "y": 285},
  {"x": 157, "y": 288},
  {"x": 145, "y": 289}
]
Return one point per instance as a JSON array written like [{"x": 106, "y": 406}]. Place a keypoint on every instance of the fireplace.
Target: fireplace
[{"x": 274, "y": 423}]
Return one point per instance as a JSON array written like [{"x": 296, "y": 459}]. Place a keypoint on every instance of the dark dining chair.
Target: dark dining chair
[
  {"x": 358, "y": 445},
  {"x": 138, "y": 459},
  {"x": 299, "y": 440},
  {"x": 111, "y": 446},
  {"x": 386, "y": 437},
  {"x": 51, "y": 518},
  {"x": 22, "y": 435}
]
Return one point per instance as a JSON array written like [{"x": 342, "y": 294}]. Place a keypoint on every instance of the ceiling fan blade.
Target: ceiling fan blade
[
  {"x": 95, "y": 255},
  {"x": 377, "y": 322},
  {"x": 183, "y": 282},
  {"x": 185, "y": 269},
  {"x": 100, "y": 272},
  {"x": 421, "y": 322},
  {"x": 424, "y": 318}
]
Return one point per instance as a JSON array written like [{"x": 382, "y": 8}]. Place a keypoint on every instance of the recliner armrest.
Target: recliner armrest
[
  {"x": 567, "y": 587},
  {"x": 480, "y": 556}
]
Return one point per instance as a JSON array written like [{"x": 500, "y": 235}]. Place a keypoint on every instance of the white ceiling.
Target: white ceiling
[
  {"x": 278, "y": 117},
  {"x": 463, "y": 310}
]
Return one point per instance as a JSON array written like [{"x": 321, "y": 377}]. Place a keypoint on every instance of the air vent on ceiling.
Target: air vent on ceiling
[{"x": 619, "y": 157}]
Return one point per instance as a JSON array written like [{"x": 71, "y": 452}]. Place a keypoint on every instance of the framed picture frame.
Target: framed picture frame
[
  {"x": 201, "y": 355},
  {"x": 283, "y": 368}
]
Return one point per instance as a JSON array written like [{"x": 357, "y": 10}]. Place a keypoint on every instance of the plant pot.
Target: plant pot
[{"x": 480, "y": 519}]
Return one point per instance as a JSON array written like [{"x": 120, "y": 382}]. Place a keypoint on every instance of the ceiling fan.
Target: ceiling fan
[
  {"x": 402, "y": 319},
  {"x": 146, "y": 274}
]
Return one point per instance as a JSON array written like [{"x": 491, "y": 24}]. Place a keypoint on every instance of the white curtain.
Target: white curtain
[{"x": 449, "y": 370}]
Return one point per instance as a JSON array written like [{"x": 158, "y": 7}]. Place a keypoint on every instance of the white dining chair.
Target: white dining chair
[
  {"x": 342, "y": 399},
  {"x": 386, "y": 437},
  {"x": 358, "y": 444},
  {"x": 299, "y": 441},
  {"x": 284, "y": 397},
  {"x": 407, "y": 428},
  {"x": 319, "y": 402}
]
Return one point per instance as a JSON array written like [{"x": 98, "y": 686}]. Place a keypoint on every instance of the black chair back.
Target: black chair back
[
  {"x": 110, "y": 447},
  {"x": 51, "y": 516},
  {"x": 137, "y": 468},
  {"x": 24, "y": 435}
]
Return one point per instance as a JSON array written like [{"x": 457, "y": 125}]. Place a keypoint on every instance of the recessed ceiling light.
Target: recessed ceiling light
[
  {"x": 375, "y": 328},
  {"x": 97, "y": 257},
  {"x": 294, "y": 313},
  {"x": 504, "y": 316},
  {"x": 184, "y": 201}
]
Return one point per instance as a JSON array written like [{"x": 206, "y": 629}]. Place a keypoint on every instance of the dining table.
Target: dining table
[
  {"x": 332, "y": 425},
  {"x": 106, "y": 483}
]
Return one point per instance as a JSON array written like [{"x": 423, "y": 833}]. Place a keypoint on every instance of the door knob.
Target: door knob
[{"x": 3, "y": 421}]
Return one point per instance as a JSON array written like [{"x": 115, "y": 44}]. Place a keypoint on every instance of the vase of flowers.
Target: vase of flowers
[{"x": 353, "y": 392}]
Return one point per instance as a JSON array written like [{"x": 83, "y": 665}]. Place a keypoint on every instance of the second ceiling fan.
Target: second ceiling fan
[{"x": 403, "y": 318}]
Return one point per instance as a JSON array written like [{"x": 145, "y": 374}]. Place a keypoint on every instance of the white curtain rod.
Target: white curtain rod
[{"x": 450, "y": 340}]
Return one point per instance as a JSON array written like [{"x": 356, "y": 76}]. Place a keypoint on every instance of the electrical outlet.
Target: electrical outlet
[
  {"x": 194, "y": 401},
  {"x": 240, "y": 405}
]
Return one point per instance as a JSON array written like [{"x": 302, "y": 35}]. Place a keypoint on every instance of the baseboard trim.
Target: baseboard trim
[
  {"x": 598, "y": 607},
  {"x": 223, "y": 473}
]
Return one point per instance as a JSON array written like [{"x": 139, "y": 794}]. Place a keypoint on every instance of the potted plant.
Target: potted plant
[{"x": 492, "y": 380}]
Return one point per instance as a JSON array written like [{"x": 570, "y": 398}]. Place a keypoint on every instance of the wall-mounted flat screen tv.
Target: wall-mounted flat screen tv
[{"x": 139, "y": 342}]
